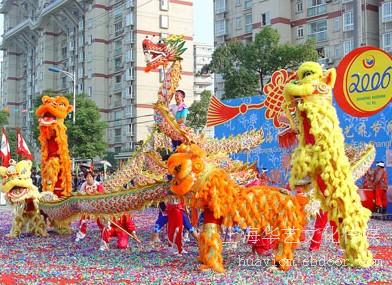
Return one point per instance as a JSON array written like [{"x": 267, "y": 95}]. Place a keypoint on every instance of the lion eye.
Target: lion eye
[
  {"x": 308, "y": 73},
  {"x": 62, "y": 104},
  {"x": 177, "y": 168}
]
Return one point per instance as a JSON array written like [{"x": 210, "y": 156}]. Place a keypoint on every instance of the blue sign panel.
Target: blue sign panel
[{"x": 376, "y": 129}]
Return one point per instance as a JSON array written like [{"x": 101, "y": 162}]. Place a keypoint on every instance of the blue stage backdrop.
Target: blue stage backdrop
[{"x": 376, "y": 129}]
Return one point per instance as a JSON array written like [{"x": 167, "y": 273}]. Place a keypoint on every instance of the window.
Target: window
[
  {"x": 90, "y": 23},
  {"x": 300, "y": 6},
  {"x": 129, "y": 74},
  {"x": 248, "y": 23},
  {"x": 237, "y": 3},
  {"x": 348, "y": 46},
  {"x": 300, "y": 32},
  {"x": 117, "y": 117},
  {"x": 117, "y": 79},
  {"x": 336, "y": 24},
  {"x": 220, "y": 6},
  {"x": 220, "y": 27},
  {"x": 386, "y": 12},
  {"x": 164, "y": 5},
  {"x": 238, "y": 23},
  {"x": 64, "y": 52},
  {"x": 164, "y": 21},
  {"x": 348, "y": 21},
  {"x": 117, "y": 149},
  {"x": 130, "y": 128},
  {"x": 387, "y": 41},
  {"x": 266, "y": 19},
  {"x": 117, "y": 47},
  {"x": 117, "y": 13},
  {"x": 90, "y": 55},
  {"x": 117, "y": 63},
  {"x": 248, "y": 4},
  {"x": 90, "y": 91},
  {"x": 80, "y": 73},
  {"x": 316, "y": 7},
  {"x": 118, "y": 28},
  {"x": 318, "y": 30},
  {"x": 129, "y": 19},
  {"x": 130, "y": 91}
]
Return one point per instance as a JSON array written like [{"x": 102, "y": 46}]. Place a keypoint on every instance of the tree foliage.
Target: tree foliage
[
  {"x": 245, "y": 67},
  {"x": 197, "y": 117},
  {"x": 86, "y": 137}
]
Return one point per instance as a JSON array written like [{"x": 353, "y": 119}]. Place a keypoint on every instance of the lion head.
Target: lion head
[
  {"x": 53, "y": 108},
  {"x": 185, "y": 166},
  {"x": 16, "y": 182}
]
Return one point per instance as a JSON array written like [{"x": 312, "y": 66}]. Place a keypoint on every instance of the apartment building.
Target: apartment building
[
  {"x": 338, "y": 26},
  {"x": 385, "y": 25},
  {"x": 98, "y": 42},
  {"x": 203, "y": 55}
]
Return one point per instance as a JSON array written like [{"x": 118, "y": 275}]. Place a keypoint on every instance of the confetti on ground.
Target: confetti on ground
[{"x": 59, "y": 260}]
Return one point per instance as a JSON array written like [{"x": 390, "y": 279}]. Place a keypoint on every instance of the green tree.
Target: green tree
[
  {"x": 3, "y": 118},
  {"x": 86, "y": 137},
  {"x": 245, "y": 67},
  {"x": 197, "y": 117}
]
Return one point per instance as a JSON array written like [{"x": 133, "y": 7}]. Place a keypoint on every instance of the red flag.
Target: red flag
[
  {"x": 23, "y": 149},
  {"x": 5, "y": 152}
]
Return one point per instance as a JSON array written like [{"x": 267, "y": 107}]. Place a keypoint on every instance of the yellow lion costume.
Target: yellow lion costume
[
  {"x": 56, "y": 162},
  {"x": 211, "y": 189},
  {"x": 321, "y": 156},
  {"x": 23, "y": 196}
]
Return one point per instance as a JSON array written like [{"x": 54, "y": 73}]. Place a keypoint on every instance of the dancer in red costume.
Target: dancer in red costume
[
  {"x": 122, "y": 228},
  {"x": 381, "y": 187},
  {"x": 90, "y": 186}
]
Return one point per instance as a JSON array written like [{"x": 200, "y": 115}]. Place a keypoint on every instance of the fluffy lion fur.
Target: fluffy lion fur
[
  {"x": 210, "y": 187},
  {"x": 326, "y": 158}
]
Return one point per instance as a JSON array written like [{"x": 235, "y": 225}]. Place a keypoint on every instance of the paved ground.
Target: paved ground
[{"x": 59, "y": 260}]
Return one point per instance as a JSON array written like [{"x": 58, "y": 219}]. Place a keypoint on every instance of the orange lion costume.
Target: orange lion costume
[
  {"x": 55, "y": 161},
  {"x": 211, "y": 189}
]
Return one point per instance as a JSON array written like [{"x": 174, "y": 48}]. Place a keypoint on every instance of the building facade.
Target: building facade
[
  {"x": 338, "y": 26},
  {"x": 203, "y": 80},
  {"x": 99, "y": 43}
]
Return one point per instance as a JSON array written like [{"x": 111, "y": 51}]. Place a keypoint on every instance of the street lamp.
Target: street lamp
[{"x": 73, "y": 77}]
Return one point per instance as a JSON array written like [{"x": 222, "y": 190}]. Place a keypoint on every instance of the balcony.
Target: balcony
[
  {"x": 318, "y": 36},
  {"x": 26, "y": 24},
  {"x": 317, "y": 10},
  {"x": 117, "y": 86},
  {"x": 5, "y": 5},
  {"x": 117, "y": 51}
]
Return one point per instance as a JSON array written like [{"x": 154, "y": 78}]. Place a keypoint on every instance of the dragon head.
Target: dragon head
[
  {"x": 52, "y": 109},
  {"x": 16, "y": 182},
  {"x": 162, "y": 52},
  {"x": 185, "y": 166}
]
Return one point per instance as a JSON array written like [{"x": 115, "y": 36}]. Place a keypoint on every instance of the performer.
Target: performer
[
  {"x": 90, "y": 186},
  {"x": 380, "y": 187},
  {"x": 122, "y": 228},
  {"x": 174, "y": 215},
  {"x": 180, "y": 112}
]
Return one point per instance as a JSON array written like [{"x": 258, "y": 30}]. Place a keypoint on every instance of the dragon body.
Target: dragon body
[{"x": 144, "y": 174}]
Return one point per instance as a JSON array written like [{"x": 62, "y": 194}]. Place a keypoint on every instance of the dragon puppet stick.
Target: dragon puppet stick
[{"x": 125, "y": 231}]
